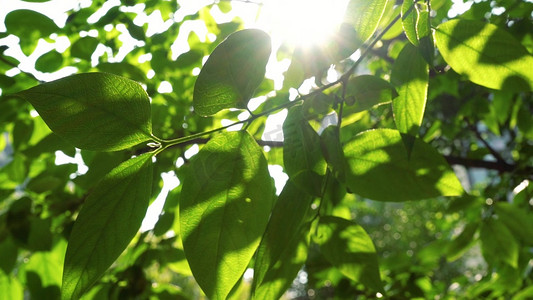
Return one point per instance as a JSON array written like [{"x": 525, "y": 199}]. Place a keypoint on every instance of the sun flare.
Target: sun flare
[{"x": 303, "y": 22}]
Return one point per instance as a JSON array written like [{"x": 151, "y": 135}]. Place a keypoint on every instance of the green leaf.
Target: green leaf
[
  {"x": 282, "y": 237},
  {"x": 366, "y": 91},
  {"x": 29, "y": 24},
  {"x": 485, "y": 55},
  {"x": 379, "y": 168},
  {"x": 425, "y": 36},
  {"x": 498, "y": 243},
  {"x": 410, "y": 75},
  {"x": 94, "y": 111},
  {"x": 348, "y": 247},
  {"x": 49, "y": 62},
  {"x": 332, "y": 151},
  {"x": 232, "y": 73},
  {"x": 84, "y": 48},
  {"x": 225, "y": 204},
  {"x": 458, "y": 246},
  {"x": 365, "y": 16},
  {"x": 301, "y": 145},
  {"x": 10, "y": 287},
  {"x": 409, "y": 20},
  {"x": 109, "y": 219},
  {"x": 281, "y": 275},
  {"x": 517, "y": 220}
]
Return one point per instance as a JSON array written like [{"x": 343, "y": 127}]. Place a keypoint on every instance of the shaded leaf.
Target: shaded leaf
[
  {"x": 94, "y": 111},
  {"x": 366, "y": 91},
  {"x": 282, "y": 238},
  {"x": 410, "y": 75},
  {"x": 349, "y": 248},
  {"x": 301, "y": 145},
  {"x": 49, "y": 62},
  {"x": 29, "y": 24},
  {"x": 462, "y": 242},
  {"x": 280, "y": 276},
  {"x": 485, "y": 55},
  {"x": 84, "y": 48},
  {"x": 498, "y": 243},
  {"x": 232, "y": 73},
  {"x": 379, "y": 168},
  {"x": 517, "y": 220},
  {"x": 225, "y": 204},
  {"x": 108, "y": 220}
]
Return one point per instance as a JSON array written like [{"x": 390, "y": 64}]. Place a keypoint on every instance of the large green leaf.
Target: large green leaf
[
  {"x": 109, "y": 219},
  {"x": 365, "y": 16},
  {"x": 225, "y": 204},
  {"x": 349, "y": 248},
  {"x": 232, "y": 73},
  {"x": 94, "y": 111},
  {"x": 498, "y": 243},
  {"x": 518, "y": 221},
  {"x": 282, "y": 238},
  {"x": 485, "y": 54},
  {"x": 379, "y": 168},
  {"x": 410, "y": 75}
]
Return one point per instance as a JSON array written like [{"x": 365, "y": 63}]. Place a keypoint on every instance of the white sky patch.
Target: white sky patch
[
  {"x": 273, "y": 127},
  {"x": 280, "y": 178},
  {"x": 62, "y": 159},
  {"x": 227, "y": 122},
  {"x": 191, "y": 151},
  {"x": 170, "y": 181},
  {"x": 164, "y": 87}
]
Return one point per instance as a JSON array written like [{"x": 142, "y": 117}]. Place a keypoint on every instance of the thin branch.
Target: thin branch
[{"x": 494, "y": 153}]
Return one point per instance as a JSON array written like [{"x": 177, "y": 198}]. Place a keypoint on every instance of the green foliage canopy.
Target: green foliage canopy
[{"x": 372, "y": 206}]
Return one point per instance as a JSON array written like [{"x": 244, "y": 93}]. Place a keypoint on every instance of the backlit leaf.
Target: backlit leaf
[
  {"x": 409, "y": 20},
  {"x": 349, "y": 248},
  {"x": 225, "y": 204},
  {"x": 94, "y": 111},
  {"x": 232, "y": 73},
  {"x": 485, "y": 54},
  {"x": 379, "y": 168},
  {"x": 108, "y": 220},
  {"x": 365, "y": 16},
  {"x": 410, "y": 75}
]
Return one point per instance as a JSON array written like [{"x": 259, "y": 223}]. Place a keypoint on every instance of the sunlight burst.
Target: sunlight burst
[{"x": 303, "y": 22}]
